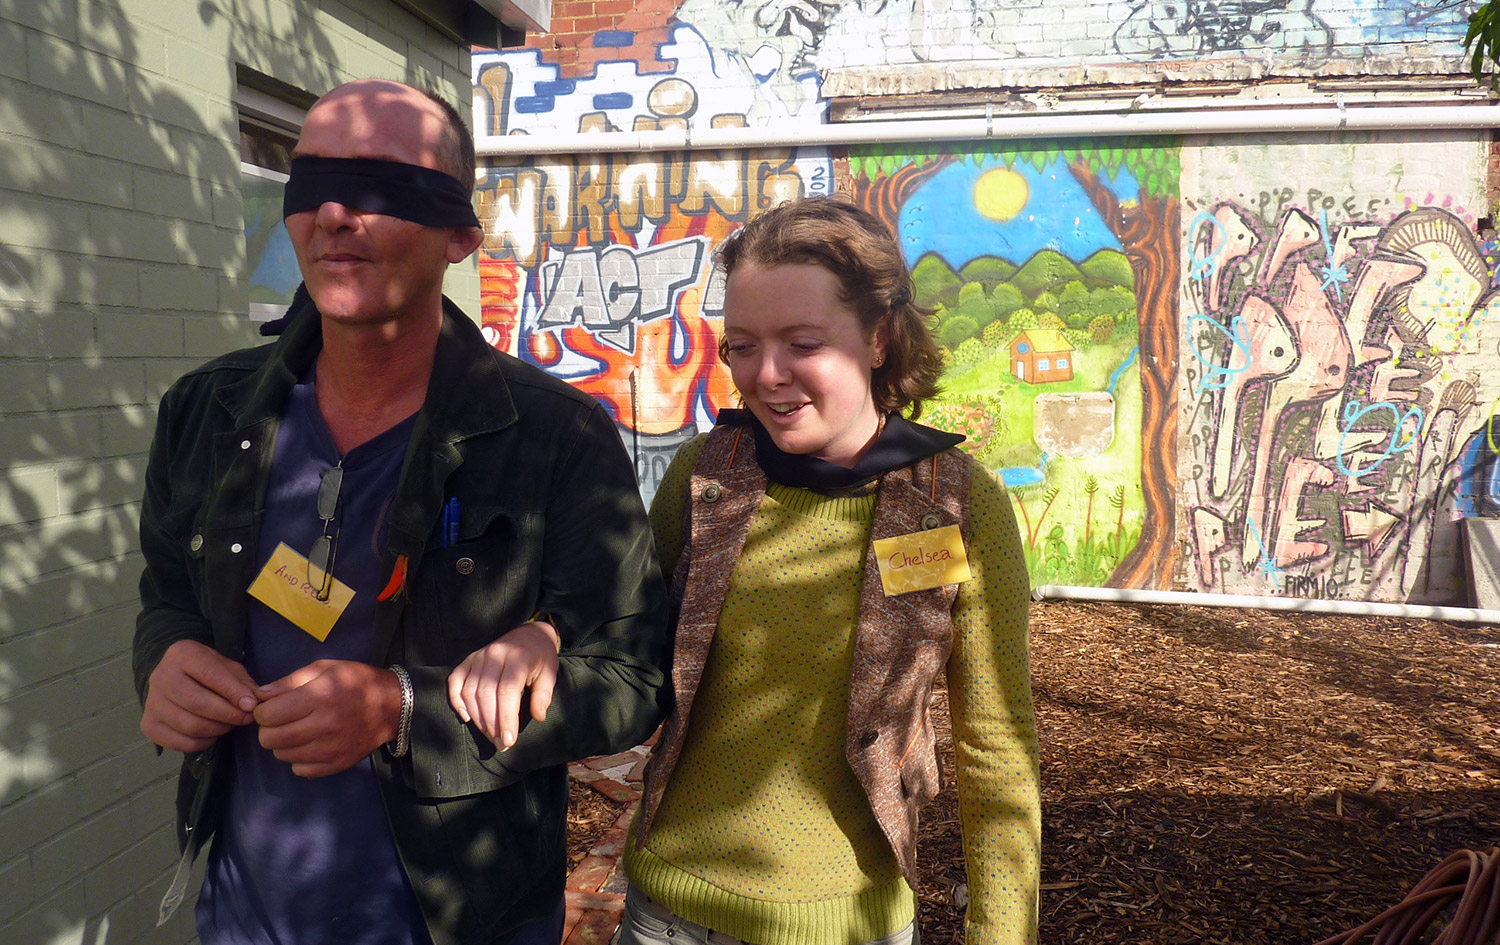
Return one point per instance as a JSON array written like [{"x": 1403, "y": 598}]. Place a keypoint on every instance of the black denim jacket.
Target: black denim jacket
[{"x": 551, "y": 522}]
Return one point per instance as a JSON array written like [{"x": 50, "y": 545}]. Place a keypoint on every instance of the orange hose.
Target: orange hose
[{"x": 1471, "y": 878}]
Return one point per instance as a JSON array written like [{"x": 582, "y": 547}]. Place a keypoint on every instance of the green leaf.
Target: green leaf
[{"x": 1482, "y": 39}]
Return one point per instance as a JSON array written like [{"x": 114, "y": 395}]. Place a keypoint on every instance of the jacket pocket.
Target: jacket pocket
[
  {"x": 486, "y": 582},
  {"x": 185, "y": 521}
]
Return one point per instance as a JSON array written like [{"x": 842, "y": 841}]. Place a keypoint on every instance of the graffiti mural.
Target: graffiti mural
[
  {"x": 862, "y": 33},
  {"x": 1337, "y": 431},
  {"x": 1187, "y": 28},
  {"x": 1043, "y": 262},
  {"x": 597, "y": 267},
  {"x": 1285, "y": 395}
]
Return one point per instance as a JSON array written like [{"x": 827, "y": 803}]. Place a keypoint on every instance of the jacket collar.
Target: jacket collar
[
  {"x": 463, "y": 366},
  {"x": 466, "y": 397}
]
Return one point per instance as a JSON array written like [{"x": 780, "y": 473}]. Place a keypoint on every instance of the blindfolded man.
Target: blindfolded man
[{"x": 395, "y": 580}]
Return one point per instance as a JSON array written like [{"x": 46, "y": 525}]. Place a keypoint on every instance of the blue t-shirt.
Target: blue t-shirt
[{"x": 311, "y": 861}]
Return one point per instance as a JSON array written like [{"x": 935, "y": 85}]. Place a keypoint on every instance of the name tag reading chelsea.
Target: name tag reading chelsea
[
  {"x": 282, "y": 585},
  {"x": 922, "y": 560}
]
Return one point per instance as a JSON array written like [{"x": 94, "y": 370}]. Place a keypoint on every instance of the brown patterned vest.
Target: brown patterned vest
[{"x": 900, "y": 642}]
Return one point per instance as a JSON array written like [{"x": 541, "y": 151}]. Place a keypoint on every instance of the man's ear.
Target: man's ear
[{"x": 462, "y": 241}]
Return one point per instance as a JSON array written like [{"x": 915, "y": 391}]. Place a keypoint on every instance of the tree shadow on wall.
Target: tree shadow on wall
[{"x": 98, "y": 133}]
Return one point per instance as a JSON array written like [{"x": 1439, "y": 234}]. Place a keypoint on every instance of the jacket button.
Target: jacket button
[
  {"x": 712, "y": 492},
  {"x": 236, "y": 548},
  {"x": 244, "y": 444},
  {"x": 931, "y": 520},
  {"x": 464, "y": 565},
  {"x": 197, "y": 543},
  {"x": 868, "y": 739}
]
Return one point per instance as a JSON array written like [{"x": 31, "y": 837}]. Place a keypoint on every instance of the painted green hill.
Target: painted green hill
[
  {"x": 989, "y": 271},
  {"x": 1045, "y": 271},
  {"x": 934, "y": 280},
  {"x": 1105, "y": 268}
]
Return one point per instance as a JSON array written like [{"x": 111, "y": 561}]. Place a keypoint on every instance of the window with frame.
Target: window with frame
[{"x": 268, "y": 132}]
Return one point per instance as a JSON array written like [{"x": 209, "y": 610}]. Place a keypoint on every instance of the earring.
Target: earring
[{"x": 879, "y": 360}]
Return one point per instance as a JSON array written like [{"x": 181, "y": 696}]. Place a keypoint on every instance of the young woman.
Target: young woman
[{"x": 829, "y": 557}]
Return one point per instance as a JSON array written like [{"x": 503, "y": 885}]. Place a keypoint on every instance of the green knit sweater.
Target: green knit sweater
[{"x": 764, "y": 833}]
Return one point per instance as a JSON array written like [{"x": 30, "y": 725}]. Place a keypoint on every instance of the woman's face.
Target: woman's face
[{"x": 801, "y": 360}]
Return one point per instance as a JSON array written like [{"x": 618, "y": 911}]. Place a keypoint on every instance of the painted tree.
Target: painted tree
[
  {"x": 1148, "y": 227},
  {"x": 884, "y": 180}
]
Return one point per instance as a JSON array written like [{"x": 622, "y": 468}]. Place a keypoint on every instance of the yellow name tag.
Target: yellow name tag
[
  {"x": 282, "y": 585},
  {"x": 922, "y": 560}
]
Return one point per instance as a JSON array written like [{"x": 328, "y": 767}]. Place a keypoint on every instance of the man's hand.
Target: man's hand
[
  {"x": 195, "y": 694},
  {"x": 486, "y": 687},
  {"x": 329, "y": 715}
]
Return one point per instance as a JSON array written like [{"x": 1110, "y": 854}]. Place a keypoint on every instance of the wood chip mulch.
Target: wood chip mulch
[
  {"x": 1216, "y": 775},
  {"x": 589, "y": 815},
  {"x": 1212, "y": 775}
]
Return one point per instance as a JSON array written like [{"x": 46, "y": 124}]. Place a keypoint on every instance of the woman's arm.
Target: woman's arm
[
  {"x": 669, "y": 505},
  {"x": 994, "y": 725}
]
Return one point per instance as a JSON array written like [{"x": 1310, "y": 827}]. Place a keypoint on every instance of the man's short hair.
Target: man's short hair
[{"x": 457, "y": 154}]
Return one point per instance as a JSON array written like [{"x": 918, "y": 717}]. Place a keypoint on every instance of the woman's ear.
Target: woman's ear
[{"x": 880, "y": 343}]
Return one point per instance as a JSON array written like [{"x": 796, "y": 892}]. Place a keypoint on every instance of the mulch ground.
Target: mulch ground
[
  {"x": 1212, "y": 775},
  {"x": 589, "y": 815}
]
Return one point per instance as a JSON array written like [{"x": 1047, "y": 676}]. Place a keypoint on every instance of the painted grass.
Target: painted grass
[{"x": 1070, "y": 536}]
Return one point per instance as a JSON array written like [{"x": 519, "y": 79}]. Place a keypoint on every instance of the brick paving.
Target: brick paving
[{"x": 596, "y": 887}]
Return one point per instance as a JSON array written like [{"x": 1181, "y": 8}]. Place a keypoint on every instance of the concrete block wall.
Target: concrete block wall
[{"x": 121, "y": 266}]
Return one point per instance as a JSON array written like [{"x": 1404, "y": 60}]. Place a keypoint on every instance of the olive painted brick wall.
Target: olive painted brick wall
[{"x": 122, "y": 266}]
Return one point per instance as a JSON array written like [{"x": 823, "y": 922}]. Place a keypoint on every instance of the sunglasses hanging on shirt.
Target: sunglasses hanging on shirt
[{"x": 320, "y": 560}]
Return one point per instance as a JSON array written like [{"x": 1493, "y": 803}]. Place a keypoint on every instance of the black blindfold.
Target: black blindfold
[{"x": 408, "y": 191}]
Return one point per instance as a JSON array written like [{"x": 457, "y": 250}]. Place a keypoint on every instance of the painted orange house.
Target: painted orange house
[{"x": 1041, "y": 356}]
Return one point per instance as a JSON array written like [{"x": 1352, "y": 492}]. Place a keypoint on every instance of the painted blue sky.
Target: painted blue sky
[{"x": 941, "y": 216}]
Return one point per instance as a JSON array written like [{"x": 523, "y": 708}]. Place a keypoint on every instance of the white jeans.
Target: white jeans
[{"x": 647, "y": 922}]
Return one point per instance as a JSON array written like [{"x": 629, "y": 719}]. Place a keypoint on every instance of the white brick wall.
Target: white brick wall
[
  {"x": 1142, "y": 39},
  {"x": 121, "y": 266}
]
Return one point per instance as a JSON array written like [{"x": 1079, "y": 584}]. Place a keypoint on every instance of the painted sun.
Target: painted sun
[{"x": 1000, "y": 194}]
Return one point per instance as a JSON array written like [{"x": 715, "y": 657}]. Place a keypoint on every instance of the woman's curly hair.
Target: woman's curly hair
[{"x": 874, "y": 281}]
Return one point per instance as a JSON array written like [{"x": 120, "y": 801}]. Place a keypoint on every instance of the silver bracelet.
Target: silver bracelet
[{"x": 402, "y": 744}]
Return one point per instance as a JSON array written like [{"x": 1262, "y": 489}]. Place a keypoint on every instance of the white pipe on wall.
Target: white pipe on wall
[
  {"x": 1358, "y": 608},
  {"x": 1235, "y": 120}
]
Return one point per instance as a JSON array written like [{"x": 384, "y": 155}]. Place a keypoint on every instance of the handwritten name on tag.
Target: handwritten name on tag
[
  {"x": 282, "y": 585},
  {"x": 922, "y": 560}
]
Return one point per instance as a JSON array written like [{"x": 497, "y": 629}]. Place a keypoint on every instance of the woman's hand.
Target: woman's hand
[{"x": 486, "y": 688}]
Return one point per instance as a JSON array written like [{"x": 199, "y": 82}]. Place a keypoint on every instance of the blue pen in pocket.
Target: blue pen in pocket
[{"x": 450, "y": 522}]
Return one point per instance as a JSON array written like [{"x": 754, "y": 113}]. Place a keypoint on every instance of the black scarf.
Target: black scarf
[{"x": 900, "y": 443}]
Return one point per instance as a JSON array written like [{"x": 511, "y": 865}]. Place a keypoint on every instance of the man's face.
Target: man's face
[{"x": 368, "y": 268}]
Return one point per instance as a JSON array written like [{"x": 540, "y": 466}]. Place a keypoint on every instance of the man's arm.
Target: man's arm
[
  {"x": 601, "y": 594},
  {"x": 190, "y": 694}
]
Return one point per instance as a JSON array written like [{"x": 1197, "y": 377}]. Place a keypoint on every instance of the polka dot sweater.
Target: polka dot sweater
[{"x": 764, "y": 833}]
